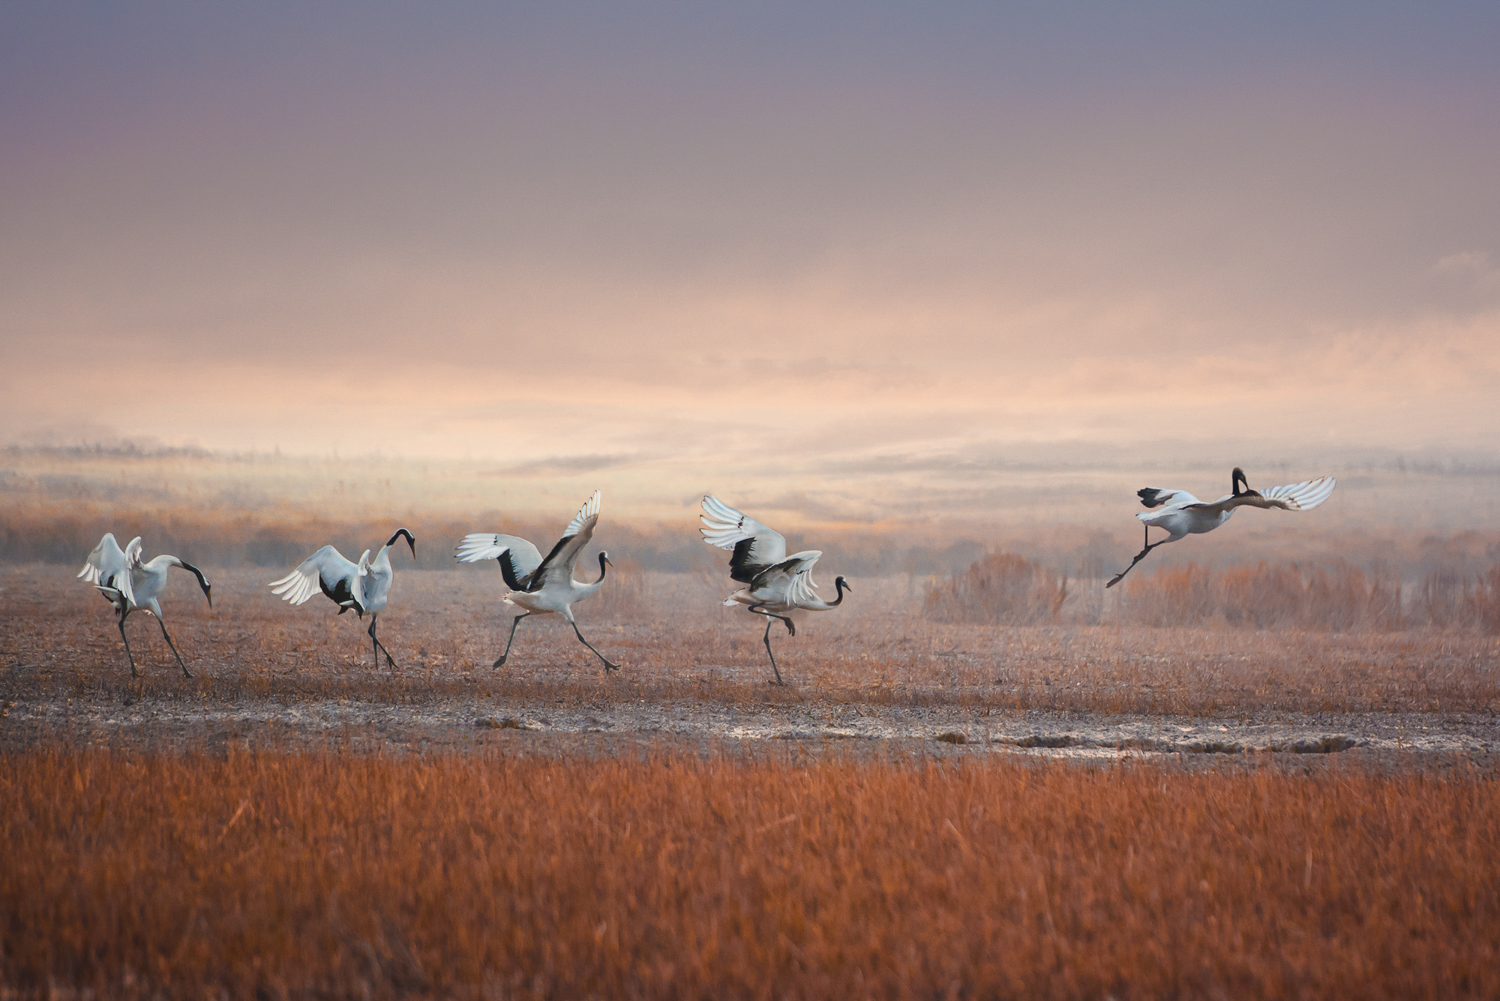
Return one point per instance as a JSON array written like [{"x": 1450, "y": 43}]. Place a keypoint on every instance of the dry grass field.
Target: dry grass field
[
  {"x": 1062, "y": 808},
  {"x": 685, "y": 875}
]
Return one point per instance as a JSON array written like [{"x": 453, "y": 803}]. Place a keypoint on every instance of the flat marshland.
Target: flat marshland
[{"x": 1090, "y": 801}]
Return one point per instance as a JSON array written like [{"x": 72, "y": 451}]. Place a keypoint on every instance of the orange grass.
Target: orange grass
[{"x": 269, "y": 875}]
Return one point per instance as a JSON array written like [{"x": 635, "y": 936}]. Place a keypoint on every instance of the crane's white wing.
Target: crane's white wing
[
  {"x": 302, "y": 583},
  {"x": 1302, "y": 496},
  {"x": 521, "y": 558},
  {"x": 558, "y": 566},
  {"x": 123, "y": 581},
  {"x": 589, "y": 510},
  {"x": 1157, "y": 497},
  {"x": 756, "y": 547},
  {"x": 801, "y": 588},
  {"x": 105, "y": 561}
]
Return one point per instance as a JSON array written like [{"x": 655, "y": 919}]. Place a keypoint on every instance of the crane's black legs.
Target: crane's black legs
[
  {"x": 379, "y": 646},
  {"x": 1139, "y": 556},
  {"x": 128, "y": 655},
  {"x": 607, "y": 665},
  {"x": 767, "y": 639},
  {"x": 164, "y": 633},
  {"x": 790, "y": 628},
  {"x": 515, "y": 622}
]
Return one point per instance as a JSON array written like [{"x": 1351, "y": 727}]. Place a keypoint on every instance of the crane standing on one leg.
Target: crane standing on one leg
[{"x": 778, "y": 584}]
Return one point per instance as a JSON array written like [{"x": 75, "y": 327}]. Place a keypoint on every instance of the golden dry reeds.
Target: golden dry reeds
[
  {"x": 278, "y": 875},
  {"x": 1340, "y": 598},
  {"x": 1002, "y": 589},
  {"x": 1450, "y": 600}
]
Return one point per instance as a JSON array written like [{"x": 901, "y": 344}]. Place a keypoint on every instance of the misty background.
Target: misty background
[{"x": 966, "y": 275}]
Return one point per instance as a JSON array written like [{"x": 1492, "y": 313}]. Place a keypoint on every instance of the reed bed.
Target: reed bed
[
  {"x": 1339, "y": 598},
  {"x": 1001, "y": 588},
  {"x": 277, "y": 875}
]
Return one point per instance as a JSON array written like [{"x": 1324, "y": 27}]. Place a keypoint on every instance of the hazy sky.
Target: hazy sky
[{"x": 770, "y": 237}]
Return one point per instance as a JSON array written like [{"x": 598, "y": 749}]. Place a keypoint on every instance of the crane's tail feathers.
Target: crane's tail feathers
[
  {"x": 296, "y": 587},
  {"x": 1303, "y": 496}
]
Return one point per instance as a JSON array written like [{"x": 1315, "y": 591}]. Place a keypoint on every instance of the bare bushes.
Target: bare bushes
[
  {"x": 1265, "y": 596},
  {"x": 623, "y": 595},
  {"x": 1450, "y": 600},
  {"x": 1001, "y": 588}
]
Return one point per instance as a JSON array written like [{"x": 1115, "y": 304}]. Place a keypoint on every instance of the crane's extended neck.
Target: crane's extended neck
[
  {"x": 840, "y": 585},
  {"x": 202, "y": 580},
  {"x": 410, "y": 541}
]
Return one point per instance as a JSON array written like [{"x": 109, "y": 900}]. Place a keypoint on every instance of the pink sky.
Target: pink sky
[{"x": 753, "y": 244}]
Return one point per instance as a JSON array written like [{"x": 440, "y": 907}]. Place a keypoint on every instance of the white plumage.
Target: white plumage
[
  {"x": 135, "y": 585},
  {"x": 1181, "y": 514},
  {"x": 364, "y": 586},
  {"x": 778, "y": 584},
  {"x": 542, "y": 586}
]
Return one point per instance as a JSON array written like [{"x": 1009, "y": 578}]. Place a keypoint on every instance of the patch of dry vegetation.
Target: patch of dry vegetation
[
  {"x": 1002, "y": 589},
  {"x": 1340, "y": 598},
  {"x": 273, "y": 875}
]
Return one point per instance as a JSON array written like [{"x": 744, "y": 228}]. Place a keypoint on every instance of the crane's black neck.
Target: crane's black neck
[
  {"x": 202, "y": 580},
  {"x": 603, "y": 567},
  {"x": 410, "y": 541},
  {"x": 1236, "y": 481},
  {"x": 839, "y": 585}
]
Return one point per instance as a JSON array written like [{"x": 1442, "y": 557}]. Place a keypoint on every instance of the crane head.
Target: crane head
[{"x": 1236, "y": 481}]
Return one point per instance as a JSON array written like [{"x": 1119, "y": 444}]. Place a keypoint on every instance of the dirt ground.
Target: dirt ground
[{"x": 870, "y": 677}]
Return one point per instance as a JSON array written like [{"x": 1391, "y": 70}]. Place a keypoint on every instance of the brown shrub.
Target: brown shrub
[
  {"x": 1338, "y": 598},
  {"x": 1001, "y": 589}
]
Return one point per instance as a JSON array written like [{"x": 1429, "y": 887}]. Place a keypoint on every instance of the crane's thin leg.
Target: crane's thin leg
[
  {"x": 767, "y": 639},
  {"x": 128, "y": 656},
  {"x": 1139, "y": 556},
  {"x": 607, "y": 665},
  {"x": 791, "y": 627},
  {"x": 379, "y": 646},
  {"x": 514, "y": 622},
  {"x": 174, "y": 648}
]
